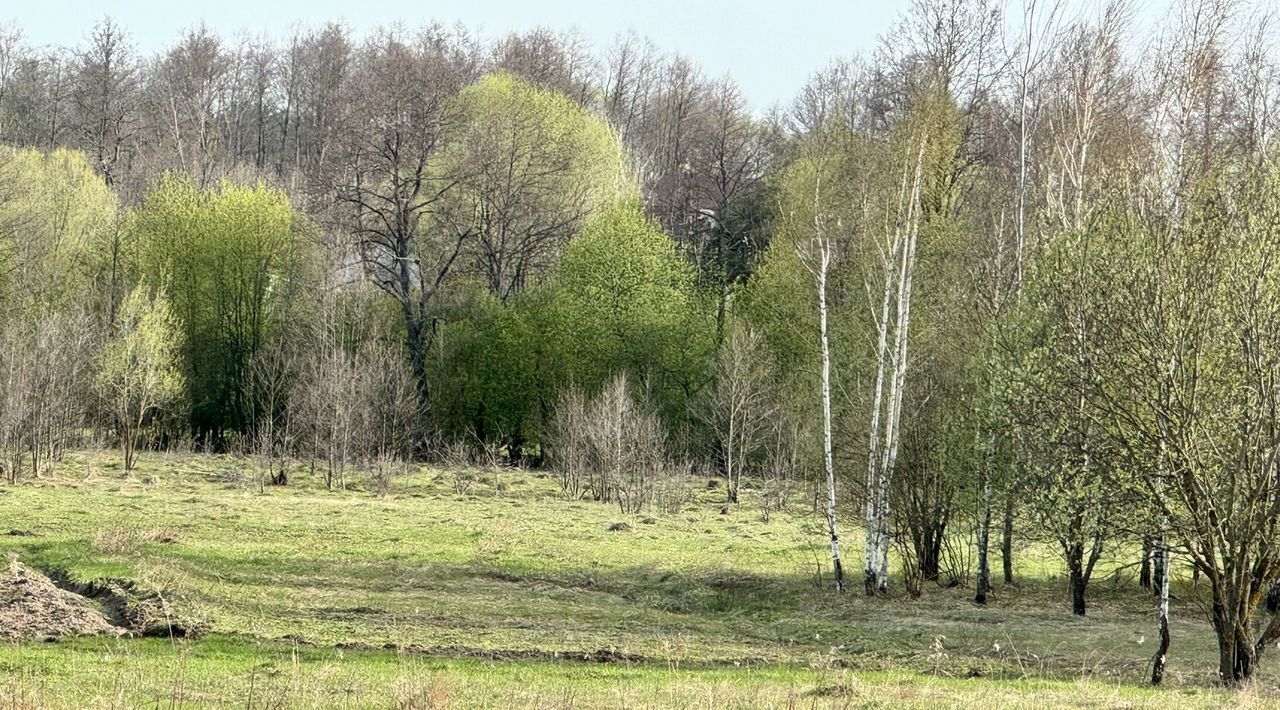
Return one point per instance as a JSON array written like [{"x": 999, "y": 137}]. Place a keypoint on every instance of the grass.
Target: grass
[{"x": 434, "y": 598}]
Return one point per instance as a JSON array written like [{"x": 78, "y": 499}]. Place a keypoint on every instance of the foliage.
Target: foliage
[
  {"x": 140, "y": 369},
  {"x": 626, "y": 304},
  {"x": 229, "y": 258}
]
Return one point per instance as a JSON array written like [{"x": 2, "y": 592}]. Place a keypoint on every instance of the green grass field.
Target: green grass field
[{"x": 508, "y": 595}]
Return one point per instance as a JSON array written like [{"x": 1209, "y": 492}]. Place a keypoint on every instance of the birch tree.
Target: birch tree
[{"x": 817, "y": 257}]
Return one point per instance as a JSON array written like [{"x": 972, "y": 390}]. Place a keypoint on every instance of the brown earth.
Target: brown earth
[{"x": 33, "y": 608}]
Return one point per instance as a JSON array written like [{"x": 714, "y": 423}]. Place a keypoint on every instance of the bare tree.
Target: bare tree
[
  {"x": 388, "y": 182},
  {"x": 12, "y": 54},
  {"x": 628, "y": 448},
  {"x": 739, "y": 405},
  {"x": 106, "y": 96},
  {"x": 569, "y": 442}
]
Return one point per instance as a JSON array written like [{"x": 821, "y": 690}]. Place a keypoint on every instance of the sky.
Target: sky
[{"x": 769, "y": 46}]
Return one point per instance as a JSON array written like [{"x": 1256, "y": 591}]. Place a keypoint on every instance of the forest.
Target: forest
[{"x": 992, "y": 305}]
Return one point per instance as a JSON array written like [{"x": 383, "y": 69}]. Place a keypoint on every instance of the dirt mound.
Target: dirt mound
[
  {"x": 34, "y": 608},
  {"x": 142, "y": 611}
]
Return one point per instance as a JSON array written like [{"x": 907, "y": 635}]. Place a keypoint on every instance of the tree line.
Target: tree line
[{"x": 1007, "y": 279}]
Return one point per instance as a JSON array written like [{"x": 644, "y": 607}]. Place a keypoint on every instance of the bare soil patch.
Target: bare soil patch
[{"x": 33, "y": 608}]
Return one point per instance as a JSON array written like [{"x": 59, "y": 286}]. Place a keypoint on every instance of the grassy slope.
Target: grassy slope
[{"x": 703, "y": 608}]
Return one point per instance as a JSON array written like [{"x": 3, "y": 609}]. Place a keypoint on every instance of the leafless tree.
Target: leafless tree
[
  {"x": 569, "y": 443},
  {"x": 388, "y": 182},
  {"x": 739, "y": 405},
  {"x": 106, "y": 96}
]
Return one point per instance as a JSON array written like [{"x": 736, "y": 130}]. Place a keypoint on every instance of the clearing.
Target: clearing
[{"x": 489, "y": 588}]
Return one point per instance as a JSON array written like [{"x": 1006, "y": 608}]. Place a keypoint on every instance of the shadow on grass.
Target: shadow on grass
[{"x": 723, "y": 615}]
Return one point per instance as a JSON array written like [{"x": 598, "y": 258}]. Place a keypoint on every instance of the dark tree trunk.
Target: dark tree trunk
[
  {"x": 417, "y": 354},
  {"x": 1144, "y": 571},
  {"x": 1162, "y": 615},
  {"x": 1235, "y": 648},
  {"x": 1079, "y": 578},
  {"x": 984, "y": 566},
  {"x": 929, "y": 553},
  {"x": 1006, "y": 541},
  {"x": 515, "y": 450}
]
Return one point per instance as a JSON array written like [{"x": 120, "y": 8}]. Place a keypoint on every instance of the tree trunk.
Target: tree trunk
[
  {"x": 1144, "y": 571},
  {"x": 1158, "y": 565},
  {"x": 417, "y": 354},
  {"x": 1235, "y": 647},
  {"x": 1079, "y": 581},
  {"x": 929, "y": 551},
  {"x": 1162, "y": 615},
  {"x": 828, "y": 458},
  {"x": 1006, "y": 541},
  {"x": 984, "y": 540},
  {"x": 731, "y": 486}
]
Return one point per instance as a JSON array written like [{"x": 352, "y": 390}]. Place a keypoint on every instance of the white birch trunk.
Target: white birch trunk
[
  {"x": 828, "y": 458},
  {"x": 891, "y": 370},
  {"x": 870, "y": 569}
]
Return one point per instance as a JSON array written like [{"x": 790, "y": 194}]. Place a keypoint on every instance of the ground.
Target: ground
[{"x": 488, "y": 588}]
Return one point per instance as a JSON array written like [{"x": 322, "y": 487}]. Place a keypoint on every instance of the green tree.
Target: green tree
[
  {"x": 140, "y": 370},
  {"x": 57, "y": 219},
  {"x": 1074, "y": 481},
  {"x": 626, "y": 302},
  {"x": 231, "y": 258},
  {"x": 495, "y": 379},
  {"x": 56, "y": 216}
]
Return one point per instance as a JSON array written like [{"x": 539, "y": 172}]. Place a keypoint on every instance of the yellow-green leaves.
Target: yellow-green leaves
[
  {"x": 627, "y": 303},
  {"x": 55, "y": 214},
  {"x": 140, "y": 369},
  {"x": 226, "y": 256},
  {"x": 525, "y": 170}
]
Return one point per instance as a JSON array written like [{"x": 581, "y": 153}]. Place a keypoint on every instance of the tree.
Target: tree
[
  {"x": 106, "y": 96},
  {"x": 184, "y": 98},
  {"x": 739, "y": 406},
  {"x": 55, "y": 218},
  {"x": 628, "y": 447},
  {"x": 1203, "y": 408},
  {"x": 1075, "y": 482},
  {"x": 140, "y": 368},
  {"x": 819, "y": 241},
  {"x": 389, "y": 177},
  {"x": 232, "y": 260},
  {"x": 531, "y": 168},
  {"x": 820, "y": 267},
  {"x": 626, "y": 303}
]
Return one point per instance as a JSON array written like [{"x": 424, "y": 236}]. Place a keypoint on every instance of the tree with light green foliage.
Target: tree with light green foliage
[
  {"x": 626, "y": 302},
  {"x": 232, "y": 262},
  {"x": 530, "y": 168},
  {"x": 56, "y": 291},
  {"x": 1050, "y": 343},
  {"x": 55, "y": 217},
  {"x": 140, "y": 370}
]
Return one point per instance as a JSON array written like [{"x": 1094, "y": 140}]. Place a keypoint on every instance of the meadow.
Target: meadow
[{"x": 488, "y": 588}]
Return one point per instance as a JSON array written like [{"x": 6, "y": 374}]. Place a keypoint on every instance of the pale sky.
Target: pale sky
[{"x": 769, "y": 46}]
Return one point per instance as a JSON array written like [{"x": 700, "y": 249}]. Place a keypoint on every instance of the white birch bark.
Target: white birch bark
[
  {"x": 828, "y": 458},
  {"x": 891, "y": 370},
  {"x": 820, "y": 270}
]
